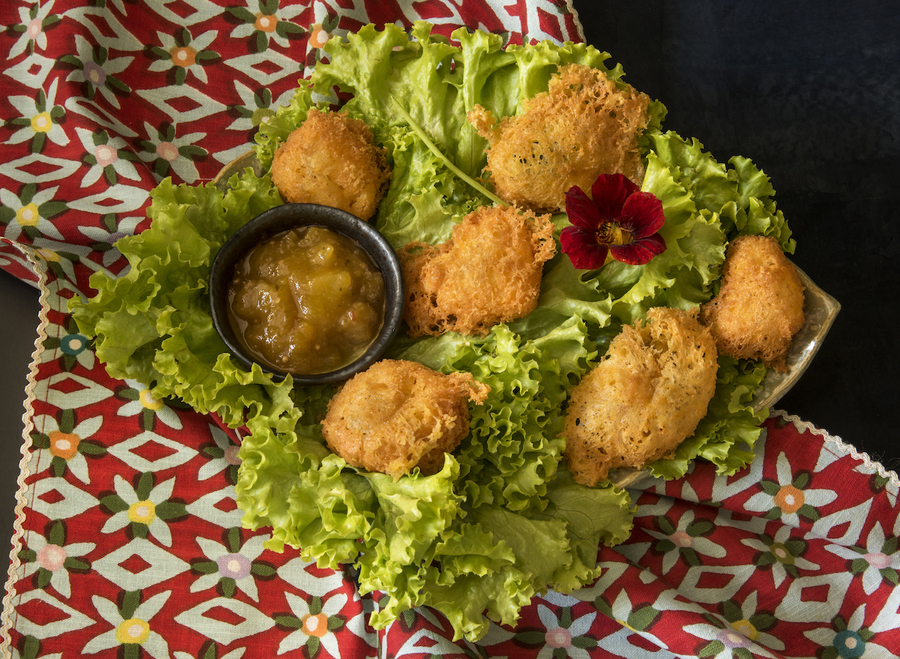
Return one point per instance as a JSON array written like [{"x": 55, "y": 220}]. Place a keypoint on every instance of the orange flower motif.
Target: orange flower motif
[
  {"x": 64, "y": 444},
  {"x": 183, "y": 56},
  {"x": 316, "y": 625},
  {"x": 789, "y": 498},
  {"x": 266, "y": 22},
  {"x": 318, "y": 37}
]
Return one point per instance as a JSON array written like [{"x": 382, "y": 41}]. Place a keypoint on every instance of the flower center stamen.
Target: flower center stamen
[
  {"x": 28, "y": 216},
  {"x": 612, "y": 233},
  {"x": 149, "y": 401},
  {"x": 142, "y": 512},
  {"x": 316, "y": 625},
  {"x": 41, "y": 123},
  {"x": 64, "y": 444},
  {"x": 789, "y": 498},
  {"x": 167, "y": 151},
  {"x": 265, "y": 23},
  {"x": 133, "y": 630},
  {"x": 51, "y": 557},
  {"x": 184, "y": 56}
]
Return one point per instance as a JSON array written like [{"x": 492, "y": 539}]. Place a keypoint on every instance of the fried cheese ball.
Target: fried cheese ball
[
  {"x": 583, "y": 126},
  {"x": 397, "y": 415},
  {"x": 759, "y": 307},
  {"x": 331, "y": 159},
  {"x": 644, "y": 398},
  {"x": 487, "y": 273}
]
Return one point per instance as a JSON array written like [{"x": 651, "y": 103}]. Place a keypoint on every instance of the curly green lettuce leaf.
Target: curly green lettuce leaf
[{"x": 153, "y": 323}]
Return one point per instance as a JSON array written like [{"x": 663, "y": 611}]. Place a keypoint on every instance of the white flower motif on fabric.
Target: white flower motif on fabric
[
  {"x": 267, "y": 22},
  {"x": 233, "y": 565},
  {"x": 28, "y": 214},
  {"x": 229, "y": 455},
  {"x": 106, "y": 155},
  {"x": 314, "y": 625},
  {"x": 134, "y": 630},
  {"x": 34, "y": 29},
  {"x": 168, "y": 151},
  {"x": 147, "y": 401},
  {"x": 96, "y": 74},
  {"x": 39, "y": 120},
  {"x": 683, "y": 539},
  {"x": 783, "y": 559},
  {"x": 723, "y": 641},
  {"x": 789, "y": 499},
  {"x": 51, "y": 557},
  {"x": 852, "y": 640},
  {"x": 64, "y": 445},
  {"x": 141, "y": 511},
  {"x": 558, "y": 636},
  {"x": 874, "y": 556},
  {"x": 234, "y": 654},
  {"x": 126, "y": 227},
  {"x": 184, "y": 56}
]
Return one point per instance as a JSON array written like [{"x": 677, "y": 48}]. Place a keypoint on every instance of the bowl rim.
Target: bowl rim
[{"x": 282, "y": 218}]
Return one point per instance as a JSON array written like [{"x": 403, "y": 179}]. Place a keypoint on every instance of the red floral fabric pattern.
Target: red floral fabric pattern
[{"x": 128, "y": 540}]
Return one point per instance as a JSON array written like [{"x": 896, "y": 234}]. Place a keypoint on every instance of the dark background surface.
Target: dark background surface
[
  {"x": 810, "y": 91},
  {"x": 19, "y": 309}
]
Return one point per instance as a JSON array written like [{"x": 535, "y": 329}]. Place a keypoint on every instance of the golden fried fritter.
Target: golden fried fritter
[
  {"x": 583, "y": 126},
  {"x": 759, "y": 307},
  {"x": 644, "y": 398},
  {"x": 331, "y": 159},
  {"x": 398, "y": 414},
  {"x": 487, "y": 273}
]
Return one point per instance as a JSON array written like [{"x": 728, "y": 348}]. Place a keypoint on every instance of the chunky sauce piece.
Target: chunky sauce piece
[{"x": 306, "y": 301}]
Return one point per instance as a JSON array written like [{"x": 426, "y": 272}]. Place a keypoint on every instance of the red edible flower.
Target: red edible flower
[{"x": 620, "y": 221}]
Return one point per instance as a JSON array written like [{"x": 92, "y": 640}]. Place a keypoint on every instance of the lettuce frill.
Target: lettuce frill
[{"x": 503, "y": 520}]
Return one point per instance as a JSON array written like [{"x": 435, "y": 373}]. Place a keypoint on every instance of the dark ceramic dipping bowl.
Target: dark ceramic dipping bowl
[{"x": 289, "y": 216}]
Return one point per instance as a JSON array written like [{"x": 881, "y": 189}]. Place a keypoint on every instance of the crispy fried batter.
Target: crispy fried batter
[
  {"x": 583, "y": 126},
  {"x": 331, "y": 159},
  {"x": 397, "y": 415},
  {"x": 487, "y": 273},
  {"x": 759, "y": 307},
  {"x": 645, "y": 397}
]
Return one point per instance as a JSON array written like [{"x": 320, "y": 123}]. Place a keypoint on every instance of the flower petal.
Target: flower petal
[
  {"x": 640, "y": 251},
  {"x": 609, "y": 192},
  {"x": 582, "y": 248},
  {"x": 581, "y": 210},
  {"x": 642, "y": 214}
]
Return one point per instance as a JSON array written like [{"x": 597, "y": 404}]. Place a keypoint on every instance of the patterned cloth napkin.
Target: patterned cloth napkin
[{"x": 128, "y": 542}]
